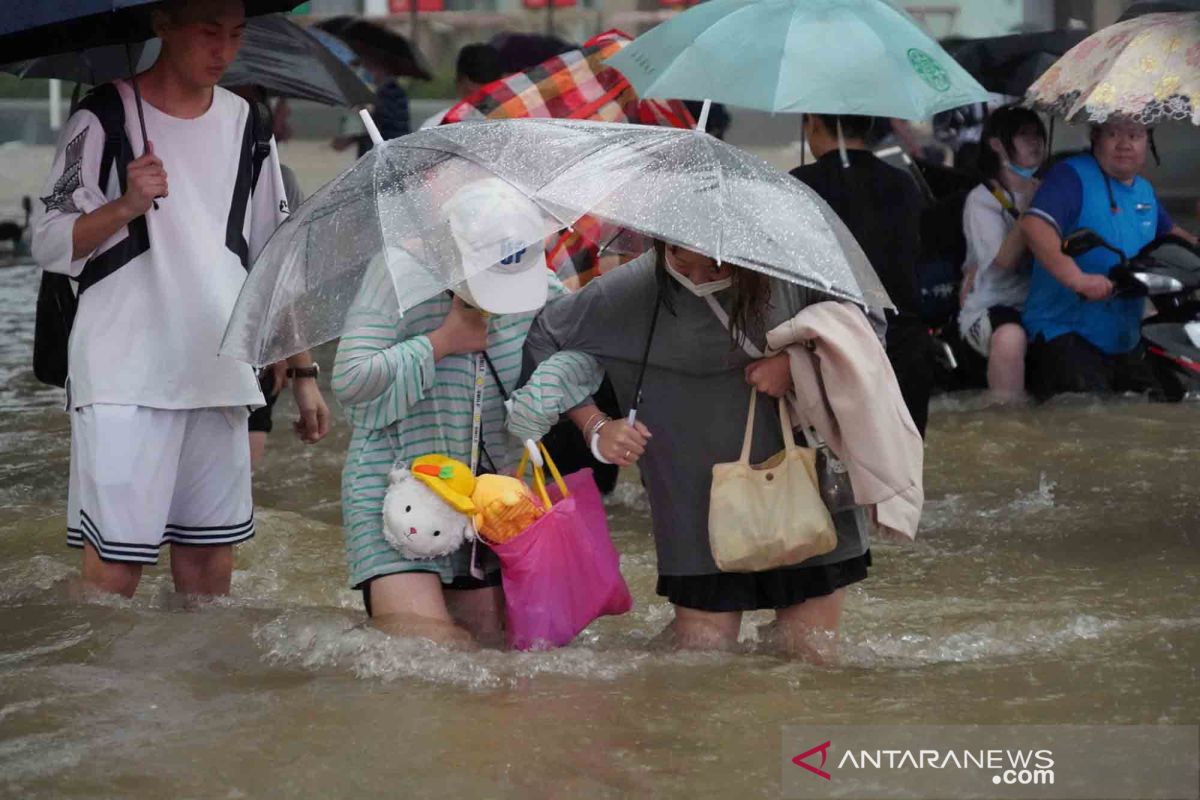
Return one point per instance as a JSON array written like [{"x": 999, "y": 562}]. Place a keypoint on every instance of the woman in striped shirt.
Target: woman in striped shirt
[{"x": 407, "y": 386}]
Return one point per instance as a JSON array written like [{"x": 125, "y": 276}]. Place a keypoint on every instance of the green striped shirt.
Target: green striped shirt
[{"x": 403, "y": 405}]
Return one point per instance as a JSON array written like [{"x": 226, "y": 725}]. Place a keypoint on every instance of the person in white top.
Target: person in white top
[
  {"x": 159, "y": 443},
  {"x": 996, "y": 271}
]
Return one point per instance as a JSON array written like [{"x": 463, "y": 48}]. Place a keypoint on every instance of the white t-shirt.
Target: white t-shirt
[
  {"x": 985, "y": 224},
  {"x": 148, "y": 333}
]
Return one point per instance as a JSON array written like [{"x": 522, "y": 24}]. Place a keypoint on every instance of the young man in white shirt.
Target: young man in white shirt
[{"x": 159, "y": 444}]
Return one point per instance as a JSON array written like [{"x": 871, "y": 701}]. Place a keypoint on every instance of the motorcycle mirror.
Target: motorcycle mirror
[{"x": 1081, "y": 241}]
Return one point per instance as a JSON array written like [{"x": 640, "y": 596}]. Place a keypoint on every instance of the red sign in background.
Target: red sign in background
[
  {"x": 542, "y": 3},
  {"x": 405, "y": 6}
]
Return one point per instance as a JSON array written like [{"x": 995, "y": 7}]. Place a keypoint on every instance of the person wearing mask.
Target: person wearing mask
[
  {"x": 996, "y": 271},
  {"x": 881, "y": 205},
  {"x": 1082, "y": 339},
  {"x": 692, "y": 408},
  {"x": 478, "y": 65}
]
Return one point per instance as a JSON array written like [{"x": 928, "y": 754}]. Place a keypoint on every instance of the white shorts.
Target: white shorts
[{"x": 141, "y": 477}]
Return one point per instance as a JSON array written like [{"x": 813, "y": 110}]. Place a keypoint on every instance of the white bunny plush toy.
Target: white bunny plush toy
[{"x": 427, "y": 511}]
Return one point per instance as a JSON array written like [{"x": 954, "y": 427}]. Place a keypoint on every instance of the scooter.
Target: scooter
[{"x": 1167, "y": 271}]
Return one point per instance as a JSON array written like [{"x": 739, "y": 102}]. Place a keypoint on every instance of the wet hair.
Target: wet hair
[
  {"x": 751, "y": 297},
  {"x": 1004, "y": 124},
  {"x": 854, "y": 126},
  {"x": 479, "y": 63}
]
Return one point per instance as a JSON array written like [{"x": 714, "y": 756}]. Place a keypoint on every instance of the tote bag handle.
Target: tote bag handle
[{"x": 789, "y": 438}]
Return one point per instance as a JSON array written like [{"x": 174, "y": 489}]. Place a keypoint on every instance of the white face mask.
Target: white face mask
[{"x": 701, "y": 289}]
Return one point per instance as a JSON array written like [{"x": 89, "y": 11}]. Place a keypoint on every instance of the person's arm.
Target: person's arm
[
  {"x": 75, "y": 215},
  {"x": 380, "y": 371},
  {"x": 1185, "y": 235},
  {"x": 1046, "y": 245},
  {"x": 1011, "y": 254},
  {"x": 563, "y": 383},
  {"x": 1054, "y": 209}
]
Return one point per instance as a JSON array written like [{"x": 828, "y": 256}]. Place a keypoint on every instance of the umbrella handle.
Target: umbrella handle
[
  {"x": 137, "y": 101},
  {"x": 632, "y": 418},
  {"x": 702, "y": 123},
  {"x": 372, "y": 129}
]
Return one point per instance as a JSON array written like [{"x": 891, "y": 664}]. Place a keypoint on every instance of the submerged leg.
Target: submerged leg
[
  {"x": 703, "y": 630},
  {"x": 413, "y": 604},
  {"x": 480, "y": 611},
  {"x": 809, "y": 630}
]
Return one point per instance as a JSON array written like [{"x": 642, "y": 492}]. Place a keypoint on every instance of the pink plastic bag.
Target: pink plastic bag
[{"x": 563, "y": 571}]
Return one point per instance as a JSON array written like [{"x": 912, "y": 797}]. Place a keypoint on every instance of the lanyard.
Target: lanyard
[{"x": 477, "y": 412}]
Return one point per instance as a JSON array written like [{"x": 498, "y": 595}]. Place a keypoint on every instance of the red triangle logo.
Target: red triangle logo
[{"x": 823, "y": 750}]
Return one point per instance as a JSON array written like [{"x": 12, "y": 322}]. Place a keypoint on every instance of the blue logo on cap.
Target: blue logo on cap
[{"x": 515, "y": 258}]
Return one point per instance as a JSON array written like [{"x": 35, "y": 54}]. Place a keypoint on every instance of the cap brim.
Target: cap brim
[{"x": 504, "y": 292}]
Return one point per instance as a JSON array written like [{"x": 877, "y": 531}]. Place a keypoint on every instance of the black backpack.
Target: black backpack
[{"x": 58, "y": 294}]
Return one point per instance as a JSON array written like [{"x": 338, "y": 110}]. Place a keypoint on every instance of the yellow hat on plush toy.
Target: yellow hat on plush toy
[{"x": 449, "y": 479}]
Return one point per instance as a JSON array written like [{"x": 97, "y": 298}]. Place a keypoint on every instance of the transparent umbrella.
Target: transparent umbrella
[{"x": 396, "y": 208}]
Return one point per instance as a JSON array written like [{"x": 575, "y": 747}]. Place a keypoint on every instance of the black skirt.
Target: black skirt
[{"x": 751, "y": 591}]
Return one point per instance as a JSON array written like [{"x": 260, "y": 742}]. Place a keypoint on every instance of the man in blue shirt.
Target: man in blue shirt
[{"x": 1083, "y": 339}]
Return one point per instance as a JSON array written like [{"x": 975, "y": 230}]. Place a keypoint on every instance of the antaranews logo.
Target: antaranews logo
[
  {"x": 1009, "y": 767},
  {"x": 990, "y": 762}
]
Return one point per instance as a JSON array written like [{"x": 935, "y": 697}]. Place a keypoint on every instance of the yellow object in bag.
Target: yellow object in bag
[{"x": 768, "y": 515}]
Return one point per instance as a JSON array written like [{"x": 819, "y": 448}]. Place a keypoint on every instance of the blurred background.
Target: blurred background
[{"x": 440, "y": 27}]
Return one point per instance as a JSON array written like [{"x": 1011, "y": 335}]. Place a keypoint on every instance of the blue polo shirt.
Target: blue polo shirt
[{"x": 1073, "y": 196}]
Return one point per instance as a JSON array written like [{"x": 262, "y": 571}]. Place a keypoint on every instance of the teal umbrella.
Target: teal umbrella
[{"x": 811, "y": 56}]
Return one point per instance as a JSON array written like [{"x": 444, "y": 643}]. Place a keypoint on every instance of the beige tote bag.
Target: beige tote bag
[{"x": 763, "y": 516}]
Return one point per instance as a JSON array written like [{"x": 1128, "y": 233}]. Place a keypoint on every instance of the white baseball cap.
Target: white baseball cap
[{"x": 500, "y": 235}]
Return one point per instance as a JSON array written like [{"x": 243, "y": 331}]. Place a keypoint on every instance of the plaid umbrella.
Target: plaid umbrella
[{"x": 573, "y": 85}]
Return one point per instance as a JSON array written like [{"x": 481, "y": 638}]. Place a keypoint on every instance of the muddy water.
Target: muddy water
[{"x": 1056, "y": 580}]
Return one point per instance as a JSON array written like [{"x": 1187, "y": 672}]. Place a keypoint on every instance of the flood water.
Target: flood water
[{"x": 1056, "y": 579}]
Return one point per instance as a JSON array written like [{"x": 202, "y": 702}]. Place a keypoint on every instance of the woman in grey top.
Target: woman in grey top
[{"x": 691, "y": 415}]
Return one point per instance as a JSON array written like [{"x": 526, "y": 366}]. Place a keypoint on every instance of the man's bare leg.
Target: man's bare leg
[
  {"x": 112, "y": 577},
  {"x": 413, "y": 604},
  {"x": 258, "y": 448},
  {"x": 202, "y": 570},
  {"x": 809, "y": 630}
]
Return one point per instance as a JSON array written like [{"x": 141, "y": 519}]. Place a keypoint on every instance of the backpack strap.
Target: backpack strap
[
  {"x": 256, "y": 146},
  {"x": 261, "y": 123},
  {"x": 105, "y": 103}
]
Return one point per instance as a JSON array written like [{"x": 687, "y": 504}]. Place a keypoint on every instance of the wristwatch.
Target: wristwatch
[{"x": 304, "y": 372}]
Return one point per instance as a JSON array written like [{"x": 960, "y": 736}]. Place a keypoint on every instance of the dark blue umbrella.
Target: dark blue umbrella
[
  {"x": 276, "y": 54},
  {"x": 33, "y": 28}
]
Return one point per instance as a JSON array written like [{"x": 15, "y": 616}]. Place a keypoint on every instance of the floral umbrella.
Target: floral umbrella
[{"x": 1146, "y": 69}]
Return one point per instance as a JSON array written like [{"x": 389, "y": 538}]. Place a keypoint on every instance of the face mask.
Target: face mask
[
  {"x": 1024, "y": 172},
  {"x": 700, "y": 290}
]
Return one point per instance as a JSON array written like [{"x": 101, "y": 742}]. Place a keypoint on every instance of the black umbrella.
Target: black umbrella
[
  {"x": 276, "y": 54},
  {"x": 35, "y": 28},
  {"x": 1009, "y": 64},
  {"x": 1158, "y": 7},
  {"x": 380, "y": 44},
  {"x": 520, "y": 52}
]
